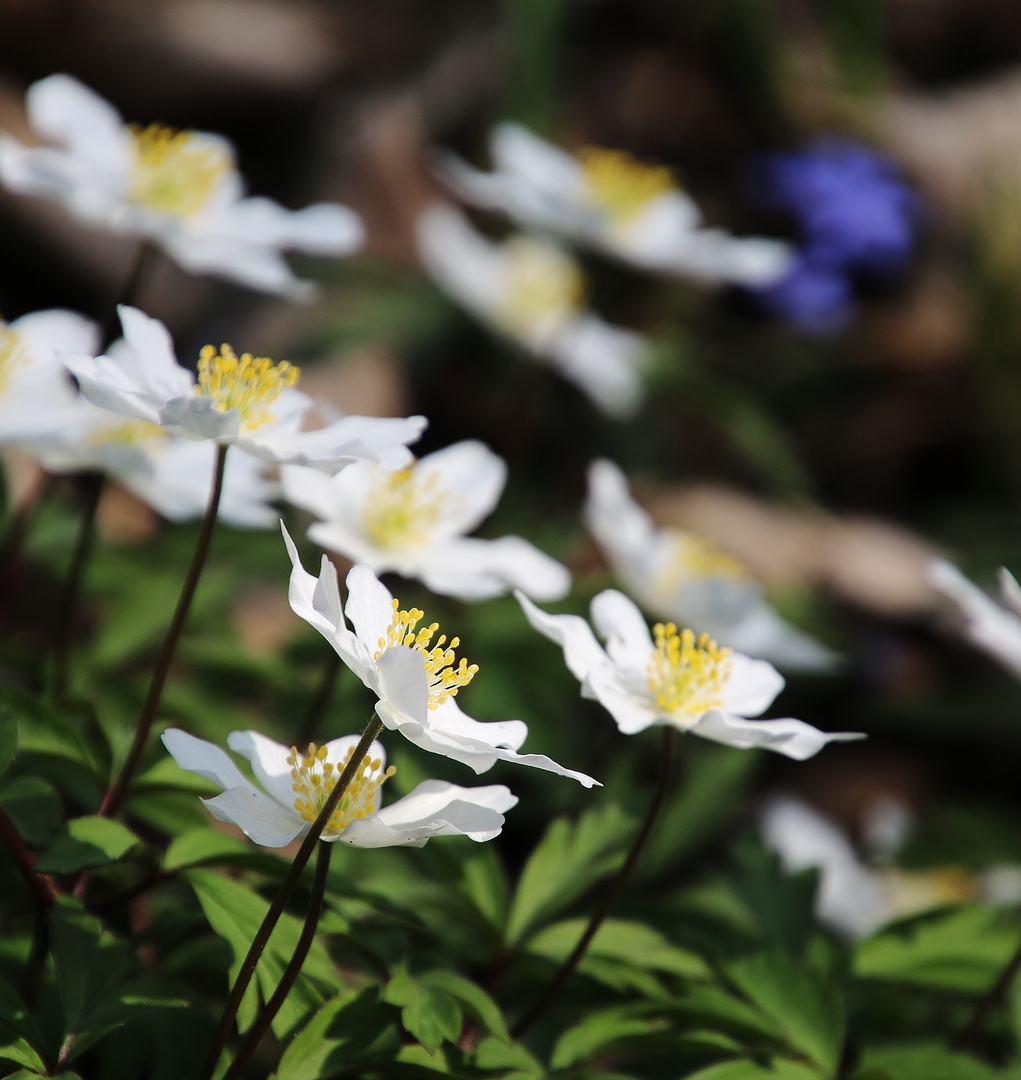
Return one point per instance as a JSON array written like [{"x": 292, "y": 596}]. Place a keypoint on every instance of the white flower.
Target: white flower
[
  {"x": 413, "y": 520},
  {"x": 678, "y": 575},
  {"x": 609, "y": 201},
  {"x": 296, "y": 785},
  {"x": 679, "y": 679},
  {"x": 414, "y": 674},
  {"x": 248, "y": 401},
  {"x": 532, "y": 291},
  {"x": 993, "y": 629},
  {"x": 180, "y": 189}
]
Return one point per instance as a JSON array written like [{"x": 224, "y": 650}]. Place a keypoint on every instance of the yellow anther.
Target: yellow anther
[
  {"x": 175, "y": 172},
  {"x": 13, "y": 354},
  {"x": 247, "y": 383},
  {"x": 403, "y": 507},
  {"x": 543, "y": 285},
  {"x": 687, "y": 674},
  {"x": 620, "y": 186},
  {"x": 445, "y": 675},
  {"x": 692, "y": 557},
  {"x": 315, "y": 777}
]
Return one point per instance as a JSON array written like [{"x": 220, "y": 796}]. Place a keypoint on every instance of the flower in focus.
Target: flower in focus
[
  {"x": 248, "y": 401},
  {"x": 412, "y": 670},
  {"x": 673, "y": 677},
  {"x": 993, "y": 628},
  {"x": 412, "y": 521},
  {"x": 679, "y": 576},
  {"x": 296, "y": 784},
  {"x": 180, "y": 189},
  {"x": 532, "y": 291},
  {"x": 609, "y": 201},
  {"x": 856, "y": 217}
]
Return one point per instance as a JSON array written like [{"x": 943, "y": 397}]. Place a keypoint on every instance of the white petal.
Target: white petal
[
  {"x": 474, "y": 569},
  {"x": 336, "y": 752},
  {"x": 434, "y": 808},
  {"x": 152, "y": 361},
  {"x": 471, "y": 478},
  {"x": 624, "y": 629},
  {"x": 542, "y": 165},
  {"x": 462, "y": 262},
  {"x": 104, "y": 383},
  {"x": 269, "y": 763},
  {"x": 58, "y": 330},
  {"x": 792, "y": 738},
  {"x": 403, "y": 686},
  {"x": 349, "y": 439},
  {"x": 196, "y": 417},
  {"x": 311, "y": 489},
  {"x": 621, "y": 527},
  {"x": 582, "y": 653},
  {"x": 66, "y": 111},
  {"x": 204, "y": 758},
  {"x": 320, "y": 229},
  {"x": 369, "y": 606},
  {"x": 751, "y": 687},
  {"x": 632, "y": 709},
  {"x": 260, "y": 818},
  {"x": 762, "y": 633},
  {"x": 606, "y": 362}
]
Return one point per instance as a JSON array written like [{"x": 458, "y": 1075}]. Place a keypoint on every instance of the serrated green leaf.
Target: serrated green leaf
[
  {"x": 86, "y": 843},
  {"x": 569, "y": 859},
  {"x": 428, "y": 1013},
  {"x": 473, "y": 999},
  {"x": 33, "y": 806}
]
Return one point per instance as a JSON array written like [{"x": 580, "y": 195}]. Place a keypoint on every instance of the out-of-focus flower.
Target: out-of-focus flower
[
  {"x": 180, "y": 189},
  {"x": 609, "y": 201},
  {"x": 413, "y": 521},
  {"x": 855, "y": 899},
  {"x": 414, "y": 674},
  {"x": 994, "y": 629},
  {"x": 855, "y": 216},
  {"x": 296, "y": 785},
  {"x": 532, "y": 291},
  {"x": 677, "y": 678},
  {"x": 678, "y": 575},
  {"x": 248, "y": 401}
]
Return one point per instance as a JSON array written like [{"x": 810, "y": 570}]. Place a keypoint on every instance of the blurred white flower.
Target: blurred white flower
[
  {"x": 994, "y": 629},
  {"x": 413, "y": 520},
  {"x": 180, "y": 189},
  {"x": 678, "y": 679},
  {"x": 247, "y": 401},
  {"x": 678, "y": 575},
  {"x": 532, "y": 291},
  {"x": 296, "y": 785},
  {"x": 855, "y": 899},
  {"x": 414, "y": 674},
  {"x": 609, "y": 201}
]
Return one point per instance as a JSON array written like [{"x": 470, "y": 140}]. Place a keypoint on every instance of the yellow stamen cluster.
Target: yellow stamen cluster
[
  {"x": 402, "y": 507},
  {"x": 247, "y": 383},
  {"x": 13, "y": 354},
  {"x": 443, "y": 677},
  {"x": 687, "y": 674},
  {"x": 542, "y": 283},
  {"x": 129, "y": 433},
  {"x": 175, "y": 172},
  {"x": 620, "y": 186},
  {"x": 691, "y": 558},
  {"x": 314, "y": 777}
]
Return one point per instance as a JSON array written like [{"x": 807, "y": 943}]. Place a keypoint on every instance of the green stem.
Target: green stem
[
  {"x": 118, "y": 787},
  {"x": 130, "y": 290},
  {"x": 618, "y": 883},
  {"x": 19, "y": 520},
  {"x": 290, "y": 880},
  {"x": 319, "y": 703},
  {"x": 990, "y": 1000},
  {"x": 287, "y": 980},
  {"x": 93, "y": 483}
]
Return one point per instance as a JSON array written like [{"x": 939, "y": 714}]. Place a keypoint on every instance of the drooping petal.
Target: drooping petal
[
  {"x": 105, "y": 383},
  {"x": 269, "y": 763},
  {"x": 621, "y": 527},
  {"x": 349, "y": 439},
  {"x": 262, "y": 819},
  {"x": 792, "y": 738},
  {"x": 619, "y": 622},
  {"x": 204, "y": 758},
  {"x": 752, "y": 686},
  {"x": 434, "y": 808},
  {"x": 475, "y": 569},
  {"x": 582, "y": 653}
]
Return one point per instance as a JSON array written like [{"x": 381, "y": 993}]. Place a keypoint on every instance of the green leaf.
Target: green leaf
[
  {"x": 350, "y": 1028},
  {"x": 809, "y": 1014},
  {"x": 483, "y": 882},
  {"x": 617, "y": 939},
  {"x": 16, "y": 1017},
  {"x": 923, "y": 1061},
  {"x": 569, "y": 860},
  {"x": 43, "y": 730},
  {"x": 8, "y": 736},
  {"x": 473, "y": 999},
  {"x": 20, "y": 1051},
  {"x": 783, "y": 904},
  {"x": 198, "y": 847},
  {"x": 745, "y": 1069},
  {"x": 428, "y": 1013},
  {"x": 87, "y": 842},
  {"x": 33, "y": 806},
  {"x": 513, "y": 1060},
  {"x": 962, "y": 949},
  {"x": 598, "y": 1030},
  {"x": 716, "y": 1006}
]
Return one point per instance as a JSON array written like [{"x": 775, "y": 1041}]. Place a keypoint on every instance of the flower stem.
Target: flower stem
[
  {"x": 618, "y": 883},
  {"x": 287, "y": 980},
  {"x": 93, "y": 483},
  {"x": 130, "y": 290},
  {"x": 18, "y": 522},
  {"x": 963, "y": 1039},
  {"x": 117, "y": 788},
  {"x": 321, "y": 700},
  {"x": 290, "y": 880}
]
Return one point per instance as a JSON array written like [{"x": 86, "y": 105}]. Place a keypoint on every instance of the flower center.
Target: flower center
[
  {"x": 691, "y": 557},
  {"x": 687, "y": 675},
  {"x": 175, "y": 172},
  {"x": 443, "y": 677},
  {"x": 315, "y": 777},
  {"x": 247, "y": 383},
  {"x": 129, "y": 433},
  {"x": 13, "y": 354},
  {"x": 620, "y": 186},
  {"x": 542, "y": 283},
  {"x": 402, "y": 507}
]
